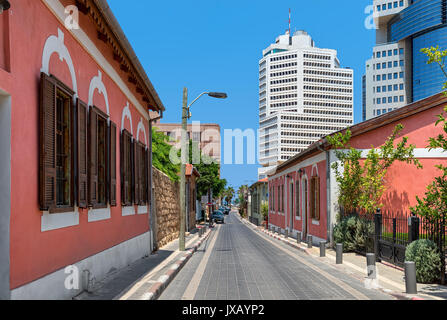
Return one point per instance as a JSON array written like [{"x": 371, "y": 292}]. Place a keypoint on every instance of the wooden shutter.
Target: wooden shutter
[
  {"x": 146, "y": 175},
  {"x": 112, "y": 165},
  {"x": 47, "y": 158},
  {"x": 82, "y": 159},
  {"x": 137, "y": 173},
  {"x": 93, "y": 157},
  {"x": 126, "y": 174},
  {"x": 122, "y": 166}
]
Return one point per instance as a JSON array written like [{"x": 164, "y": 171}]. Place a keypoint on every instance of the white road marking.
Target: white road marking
[{"x": 191, "y": 290}]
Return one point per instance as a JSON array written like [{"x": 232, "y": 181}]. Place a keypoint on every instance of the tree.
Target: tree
[
  {"x": 160, "y": 155},
  {"x": 209, "y": 171},
  {"x": 242, "y": 196},
  {"x": 229, "y": 194},
  {"x": 362, "y": 187}
]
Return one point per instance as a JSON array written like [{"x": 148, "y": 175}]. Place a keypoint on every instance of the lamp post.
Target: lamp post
[{"x": 184, "y": 157}]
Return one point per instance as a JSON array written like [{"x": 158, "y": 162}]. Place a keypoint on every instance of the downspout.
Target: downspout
[
  {"x": 151, "y": 192},
  {"x": 328, "y": 192}
]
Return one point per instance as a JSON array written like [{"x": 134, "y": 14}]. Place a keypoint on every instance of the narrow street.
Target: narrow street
[{"x": 237, "y": 263}]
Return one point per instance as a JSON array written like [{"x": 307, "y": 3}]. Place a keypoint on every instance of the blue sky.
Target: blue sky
[{"x": 216, "y": 45}]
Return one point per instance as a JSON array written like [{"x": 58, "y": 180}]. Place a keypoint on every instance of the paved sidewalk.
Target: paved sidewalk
[
  {"x": 121, "y": 284},
  {"x": 390, "y": 278}
]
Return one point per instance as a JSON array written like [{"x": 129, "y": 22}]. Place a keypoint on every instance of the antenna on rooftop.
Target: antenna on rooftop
[{"x": 290, "y": 18}]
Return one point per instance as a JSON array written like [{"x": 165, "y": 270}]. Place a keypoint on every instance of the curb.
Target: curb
[
  {"x": 399, "y": 296},
  {"x": 160, "y": 285}
]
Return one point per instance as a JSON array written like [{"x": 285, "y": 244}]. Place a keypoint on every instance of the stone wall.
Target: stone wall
[{"x": 167, "y": 208}]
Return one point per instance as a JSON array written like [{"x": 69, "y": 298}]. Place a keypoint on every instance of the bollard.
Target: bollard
[
  {"x": 298, "y": 237},
  {"x": 286, "y": 233},
  {"x": 371, "y": 265},
  {"x": 410, "y": 278},
  {"x": 339, "y": 250},
  {"x": 309, "y": 242},
  {"x": 322, "y": 249}
]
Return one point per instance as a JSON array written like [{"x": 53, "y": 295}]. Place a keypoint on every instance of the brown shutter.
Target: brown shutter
[
  {"x": 112, "y": 164},
  {"x": 137, "y": 175},
  {"x": 93, "y": 157},
  {"x": 82, "y": 160},
  {"x": 122, "y": 168},
  {"x": 146, "y": 175},
  {"x": 47, "y": 158}
]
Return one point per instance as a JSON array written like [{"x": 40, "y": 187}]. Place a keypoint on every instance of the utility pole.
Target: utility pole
[
  {"x": 184, "y": 158},
  {"x": 183, "y": 170}
]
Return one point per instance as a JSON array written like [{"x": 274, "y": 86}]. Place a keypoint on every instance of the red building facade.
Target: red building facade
[
  {"x": 76, "y": 148},
  {"x": 303, "y": 191}
]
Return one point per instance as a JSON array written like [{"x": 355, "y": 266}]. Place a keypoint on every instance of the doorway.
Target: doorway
[{"x": 5, "y": 192}]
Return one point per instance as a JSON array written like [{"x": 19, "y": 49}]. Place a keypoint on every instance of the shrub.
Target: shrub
[
  {"x": 353, "y": 232},
  {"x": 427, "y": 258}
]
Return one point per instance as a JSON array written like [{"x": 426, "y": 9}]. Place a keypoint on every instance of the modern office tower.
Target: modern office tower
[
  {"x": 304, "y": 95},
  {"x": 397, "y": 73}
]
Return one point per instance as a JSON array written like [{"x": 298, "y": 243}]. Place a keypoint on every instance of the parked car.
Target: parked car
[
  {"x": 225, "y": 210},
  {"x": 218, "y": 216}
]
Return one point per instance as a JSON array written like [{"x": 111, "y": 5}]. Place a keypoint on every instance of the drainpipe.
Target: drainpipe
[
  {"x": 328, "y": 192},
  {"x": 152, "y": 202}
]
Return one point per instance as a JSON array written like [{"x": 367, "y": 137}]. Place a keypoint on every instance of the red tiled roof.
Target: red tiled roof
[{"x": 191, "y": 169}]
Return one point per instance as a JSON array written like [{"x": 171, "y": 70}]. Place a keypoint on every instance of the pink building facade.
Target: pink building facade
[
  {"x": 303, "y": 191},
  {"x": 76, "y": 144}
]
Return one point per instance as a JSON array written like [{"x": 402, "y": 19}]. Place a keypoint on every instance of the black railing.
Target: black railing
[{"x": 394, "y": 231}]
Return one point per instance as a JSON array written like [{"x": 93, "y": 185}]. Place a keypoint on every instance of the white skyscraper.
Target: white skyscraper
[
  {"x": 385, "y": 85},
  {"x": 303, "y": 96}
]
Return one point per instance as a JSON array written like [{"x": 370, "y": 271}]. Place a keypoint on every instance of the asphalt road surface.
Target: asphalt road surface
[{"x": 238, "y": 263}]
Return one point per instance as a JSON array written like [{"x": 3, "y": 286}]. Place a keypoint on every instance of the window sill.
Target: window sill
[
  {"x": 128, "y": 211},
  {"x": 298, "y": 218},
  {"x": 142, "y": 209},
  {"x": 55, "y": 221},
  {"x": 315, "y": 222},
  {"x": 99, "y": 214}
]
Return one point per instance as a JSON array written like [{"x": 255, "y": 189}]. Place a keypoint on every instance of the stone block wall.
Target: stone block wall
[{"x": 167, "y": 207}]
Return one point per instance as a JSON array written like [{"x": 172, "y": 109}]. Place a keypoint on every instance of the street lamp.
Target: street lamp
[{"x": 184, "y": 155}]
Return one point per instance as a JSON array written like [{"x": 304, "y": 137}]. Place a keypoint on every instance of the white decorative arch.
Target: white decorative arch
[
  {"x": 97, "y": 84},
  {"x": 141, "y": 128},
  {"x": 56, "y": 44},
  {"x": 128, "y": 115},
  {"x": 316, "y": 169}
]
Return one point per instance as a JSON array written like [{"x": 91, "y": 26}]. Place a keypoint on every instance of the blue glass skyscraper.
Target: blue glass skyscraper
[{"x": 407, "y": 26}]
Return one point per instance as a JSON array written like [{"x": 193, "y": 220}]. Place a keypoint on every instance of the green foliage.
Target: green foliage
[
  {"x": 265, "y": 210},
  {"x": 362, "y": 187},
  {"x": 353, "y": 232},
  {"x": 436, "y": 55},
  {"x": 427, "y": 258},
  {"x": 228, "y": 194},
  {"x": 348, "y": 172},
  {"x": 160, "y": 155},
  {"x": 209, "y": 171}
]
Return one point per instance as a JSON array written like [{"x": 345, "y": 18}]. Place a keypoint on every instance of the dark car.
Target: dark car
[
  {"x": 218, "y": 216},
  {"x": 225, "y": 210}
]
